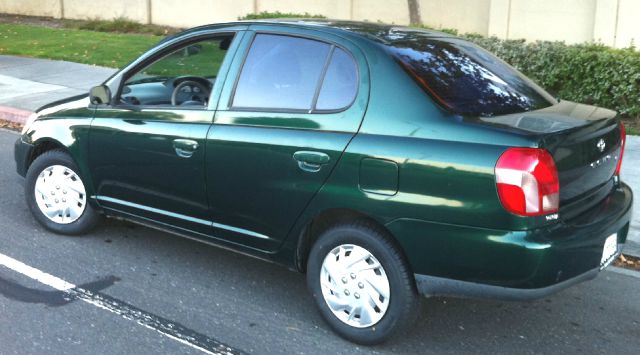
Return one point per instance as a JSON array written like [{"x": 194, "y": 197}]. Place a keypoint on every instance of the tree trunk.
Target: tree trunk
[{"x": 414, "y": 12}]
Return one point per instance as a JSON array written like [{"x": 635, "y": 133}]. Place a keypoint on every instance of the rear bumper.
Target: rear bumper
[
  {"x": 437, "y": 286},
  {"x": 476, "y": 262},
  {"x": 22, "y": 153}
]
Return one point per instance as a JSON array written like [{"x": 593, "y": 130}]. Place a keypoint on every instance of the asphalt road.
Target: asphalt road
[{"x": 215, "y": 295}]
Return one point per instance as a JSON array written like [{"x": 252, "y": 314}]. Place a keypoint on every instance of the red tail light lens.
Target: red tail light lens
[
  {"x": 623, "y": 140},
  {"x": 527, "y": 182}
]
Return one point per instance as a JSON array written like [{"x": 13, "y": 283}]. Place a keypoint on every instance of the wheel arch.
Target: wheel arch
[
  {"x": 44, "y": 145},
  {"x": 62, "y": 131},
  {"x": 326, "y": 219}
]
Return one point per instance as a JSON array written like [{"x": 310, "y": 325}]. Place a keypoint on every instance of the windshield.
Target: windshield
[{"x": 465, "y": 78}]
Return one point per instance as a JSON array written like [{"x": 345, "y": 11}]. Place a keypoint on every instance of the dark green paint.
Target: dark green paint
[
  {"x": 134, "y": 159},
  {"x": 254, "y": 181},
  {"x": 379, "y": 176}
]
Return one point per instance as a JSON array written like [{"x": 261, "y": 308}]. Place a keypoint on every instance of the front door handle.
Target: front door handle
[
  {"x": 311, "y": 161},
  {"x": 185, "y": 147}
]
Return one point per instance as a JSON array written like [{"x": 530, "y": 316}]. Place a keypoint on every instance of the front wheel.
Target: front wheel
[
  {"x": 361, "y": 283},
  {"x": 56, "y": 194}
]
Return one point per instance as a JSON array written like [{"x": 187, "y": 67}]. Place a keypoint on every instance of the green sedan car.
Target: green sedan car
[{"x": 384, "y": 162}]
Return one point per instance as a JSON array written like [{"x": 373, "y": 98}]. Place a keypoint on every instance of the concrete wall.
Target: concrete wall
[
  {"x": 464, "y": 15},
  {"x": 617, "y": 22},
  {"x": 191, "y": 13},
  {"x": 135, "y": 10},
  {"x": 50, "y": 8},
  {"x": 569, "y": 20},
  {"x": 329, "y": 8},
  {"x": 627, "y": 28},
  {"x": 605, "y": 28},
  {"x": 389, "y": 11},
  {"x": 612, "y": 22}
]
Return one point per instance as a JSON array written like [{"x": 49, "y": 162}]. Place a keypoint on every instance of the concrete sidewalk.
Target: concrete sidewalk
[
  {"x": 631, "y": 175},
  {"x": 26, "y": 84}
]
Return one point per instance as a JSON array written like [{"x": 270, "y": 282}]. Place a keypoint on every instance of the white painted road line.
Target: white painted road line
[
  {"x": 41, "y": 277},
  {"x": 163, "y": 326}
]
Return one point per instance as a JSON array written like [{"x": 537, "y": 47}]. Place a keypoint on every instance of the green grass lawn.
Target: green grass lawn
[
  {"x": 89, "y": 47},
  {"x": 205, "y": 61}
]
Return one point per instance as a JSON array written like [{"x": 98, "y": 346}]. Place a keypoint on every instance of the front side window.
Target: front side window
[
  {"x": 184, "y": 77},
  {"x": 292, "y": 73},
  {"x": 465, "y": 78}
]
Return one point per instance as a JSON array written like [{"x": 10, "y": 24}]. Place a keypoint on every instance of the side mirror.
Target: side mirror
[{"x": 100, "y": 95}]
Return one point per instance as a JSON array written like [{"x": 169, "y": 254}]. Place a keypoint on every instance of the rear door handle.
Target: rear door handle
[
  {"x": 311, "y": 161},
  {"x": 185, "y": 147}
]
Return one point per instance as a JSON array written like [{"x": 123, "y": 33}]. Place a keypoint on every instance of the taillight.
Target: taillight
[
  {"x": 623, "y": 139},
  {"x": 527, "y": 182}
]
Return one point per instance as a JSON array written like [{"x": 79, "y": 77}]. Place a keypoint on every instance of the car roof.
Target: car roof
[{"x": 372, "y": 31}]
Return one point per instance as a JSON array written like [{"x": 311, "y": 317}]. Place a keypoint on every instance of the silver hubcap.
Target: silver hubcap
[
  {"x": 60, "y": 194},
  {"x": 355, "y": 286}
]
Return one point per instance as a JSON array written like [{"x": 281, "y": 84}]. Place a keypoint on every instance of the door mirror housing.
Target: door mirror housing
[{"x": 100, "y": 95}]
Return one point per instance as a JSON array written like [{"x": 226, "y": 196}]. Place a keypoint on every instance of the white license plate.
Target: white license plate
[{"x": 610, "y": 250}]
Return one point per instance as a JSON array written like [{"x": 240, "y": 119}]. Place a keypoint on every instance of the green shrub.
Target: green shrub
[
  {"x": 116, "y": 25},
  {"x": 589, "y": 73},
  {"x": 451, "y": 31},
  {"x": 119, "y": 25},
  {"x": 277, "y": 14}
]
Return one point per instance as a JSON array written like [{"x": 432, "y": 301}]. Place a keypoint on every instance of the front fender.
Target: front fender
[{"x": 67, "y": 128}]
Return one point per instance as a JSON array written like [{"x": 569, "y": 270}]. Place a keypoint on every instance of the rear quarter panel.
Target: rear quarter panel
[{"x": 445, "y": 165}]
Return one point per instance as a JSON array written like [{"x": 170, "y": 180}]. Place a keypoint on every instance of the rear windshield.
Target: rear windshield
[{"x": 467, "y": 79}]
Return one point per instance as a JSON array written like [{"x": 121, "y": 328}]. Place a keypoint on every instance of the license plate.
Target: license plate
[{"x": 610, "y": 250}]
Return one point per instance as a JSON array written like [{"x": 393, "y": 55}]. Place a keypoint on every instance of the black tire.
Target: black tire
[
  {"x": 404, "y": 302},
  {"x": 89, "y": 217}
]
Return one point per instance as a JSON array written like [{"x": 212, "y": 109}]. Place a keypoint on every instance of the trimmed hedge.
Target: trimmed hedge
[
  {"x": 277, "y": 14},
  {"x": 588, "y": 73}
]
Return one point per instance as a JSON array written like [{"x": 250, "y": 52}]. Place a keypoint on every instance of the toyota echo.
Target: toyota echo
[{"x": 384, "y": 162}]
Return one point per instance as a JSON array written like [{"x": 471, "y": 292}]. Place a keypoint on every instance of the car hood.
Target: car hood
[{"x": 69, "y": 103}]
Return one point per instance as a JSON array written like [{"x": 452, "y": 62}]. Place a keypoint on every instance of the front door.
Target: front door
[
  {"x": 147, "y": 150},
  {"x": 281, "y": 127}
]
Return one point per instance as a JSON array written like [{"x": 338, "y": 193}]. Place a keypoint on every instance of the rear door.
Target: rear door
[{"x": 280, "y": 128}]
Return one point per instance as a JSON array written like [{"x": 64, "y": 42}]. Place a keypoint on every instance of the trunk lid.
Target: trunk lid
[{"x": 585, "y": 143}]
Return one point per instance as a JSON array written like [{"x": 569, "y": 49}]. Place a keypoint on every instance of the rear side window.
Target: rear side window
[
  {"x": 291, "y": 73},
  {"x": 281, "y": 72},
  {"x": 467, "y": 79},
  {"x": 340, "y": 83}
]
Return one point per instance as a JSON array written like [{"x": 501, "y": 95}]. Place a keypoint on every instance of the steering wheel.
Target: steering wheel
[{"x": 190, "y": 91}]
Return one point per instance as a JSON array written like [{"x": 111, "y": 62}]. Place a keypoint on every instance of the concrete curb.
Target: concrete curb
[
  {"x": 623, "y": 271},
  {"x": 14, "y": 115}
]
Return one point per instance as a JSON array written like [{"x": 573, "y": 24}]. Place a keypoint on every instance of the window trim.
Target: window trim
[
  {"x": 319, "y": 84},
  {"x": 159, "y": 55}
]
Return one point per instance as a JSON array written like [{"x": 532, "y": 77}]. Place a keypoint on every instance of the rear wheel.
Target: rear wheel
[
  {"x": 56, "y": 194},
  {"x": 361, "y": 283}
]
